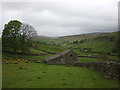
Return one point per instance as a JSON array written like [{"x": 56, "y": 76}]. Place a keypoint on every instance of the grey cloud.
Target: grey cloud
[{"x": 64, "y": 18}]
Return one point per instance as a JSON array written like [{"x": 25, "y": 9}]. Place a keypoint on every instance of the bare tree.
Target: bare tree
[{"x": 27, "y": 32}]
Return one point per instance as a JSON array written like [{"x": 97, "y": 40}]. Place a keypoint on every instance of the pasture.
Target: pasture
[{"x": 39, "y": 75}]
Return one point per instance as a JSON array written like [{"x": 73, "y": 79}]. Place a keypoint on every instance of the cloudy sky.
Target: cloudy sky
[{"x": 60, "y": 18}]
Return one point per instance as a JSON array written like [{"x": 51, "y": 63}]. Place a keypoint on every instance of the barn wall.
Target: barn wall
[
  {"x": 65, "y": 59},
  {"x": 69, "y": 59},
  {"x": 55, "y": 61}
]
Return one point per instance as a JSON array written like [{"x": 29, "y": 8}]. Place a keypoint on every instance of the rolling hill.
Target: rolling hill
[
  {"x": 36, "y": 74},
  {"x": 78, "y": 37},
  {"x": 93, "y": 44}
]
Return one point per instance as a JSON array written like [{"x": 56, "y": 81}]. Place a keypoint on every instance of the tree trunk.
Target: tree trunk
[
  {"x": 15, "y": 51},
  {"x": 23, "y": 39}
]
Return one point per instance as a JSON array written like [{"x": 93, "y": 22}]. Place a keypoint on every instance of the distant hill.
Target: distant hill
[
  {"x": 79, "y": 37},
  {"x": 74, "y": 37},
  {"x": 42, "y": 38},
  {"x": 97, "y": 42},
  {"x": 45, "y": 39},
  {"x": 103, "y": 42}
]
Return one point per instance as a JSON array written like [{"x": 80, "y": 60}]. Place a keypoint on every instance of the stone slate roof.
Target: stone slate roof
[{"x": 57, "y": 55}]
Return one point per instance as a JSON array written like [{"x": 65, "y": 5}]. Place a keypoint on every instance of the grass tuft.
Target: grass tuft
[
  {"x": 39, "y": 77},
  {"x": 9, "y": 82},
  {"x": 20, "y": 68},
  {"x": 29, "y": 80},
  {"x": 64, "y": 84},
  {"x": 62, "y": 79},
  {"x": 44, "y": 72}
]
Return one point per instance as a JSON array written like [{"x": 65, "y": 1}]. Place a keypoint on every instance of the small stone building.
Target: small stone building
[{"x": 67, "y": 57}]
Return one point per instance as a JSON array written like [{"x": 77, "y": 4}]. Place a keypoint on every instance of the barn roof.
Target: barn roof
[{"x": 57, "y": 55}]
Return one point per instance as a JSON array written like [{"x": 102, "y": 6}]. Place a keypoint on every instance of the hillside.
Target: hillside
[
  {"x": 42, "y": 38},
  {"x": 45, "y": 39},
  {"x": 102, "y": 42},
  {"x": 93, "y": 44},
  {"x": 90, "y": 44},
  {"x": 87, "y": 44},
  {"x": 28, "y": 68},
  {"x": 78, "y": 37}
]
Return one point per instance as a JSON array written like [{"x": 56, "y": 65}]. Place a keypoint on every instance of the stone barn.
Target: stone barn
[{"x": 67, "y": 57}]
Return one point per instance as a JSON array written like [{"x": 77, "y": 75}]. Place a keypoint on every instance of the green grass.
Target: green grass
[
  {"x": 41, "y": 57},
  {"x": 39, "y": 75},
  {"x": 34, "y": 75},
  {"x": 102, "y": 45},
  {"x": 72, "y": 38},
  {"x": 7, "y": 56},
  {"x": 87, "y": 59},
  {"x": 51, "y": 48},
  {"x": 43, "y": 39},
  {"x": 34, "y": 51},
  {"x": 98, "y": 46}
]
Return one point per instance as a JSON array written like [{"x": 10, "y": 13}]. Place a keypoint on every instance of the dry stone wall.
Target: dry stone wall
[{"x": 108, "y": 69}]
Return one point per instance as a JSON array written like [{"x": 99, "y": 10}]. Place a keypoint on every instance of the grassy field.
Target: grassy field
[
  {"x": 34, "y": 51},
  {"x": 87, "y": 59},
  {"x": 41, "y": 57},
  {"x": 51, "y": 48},
  {"x": 46, "y": 48},
  {"x": 105, "y": 43},
  {"x": 77, "y": 37},
  {"x": 36, "y": 75},
  {"x": 40, "y": 75}
]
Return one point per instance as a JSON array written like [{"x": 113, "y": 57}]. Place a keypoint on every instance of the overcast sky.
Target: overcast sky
[{"x": 64, "y": 18}]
